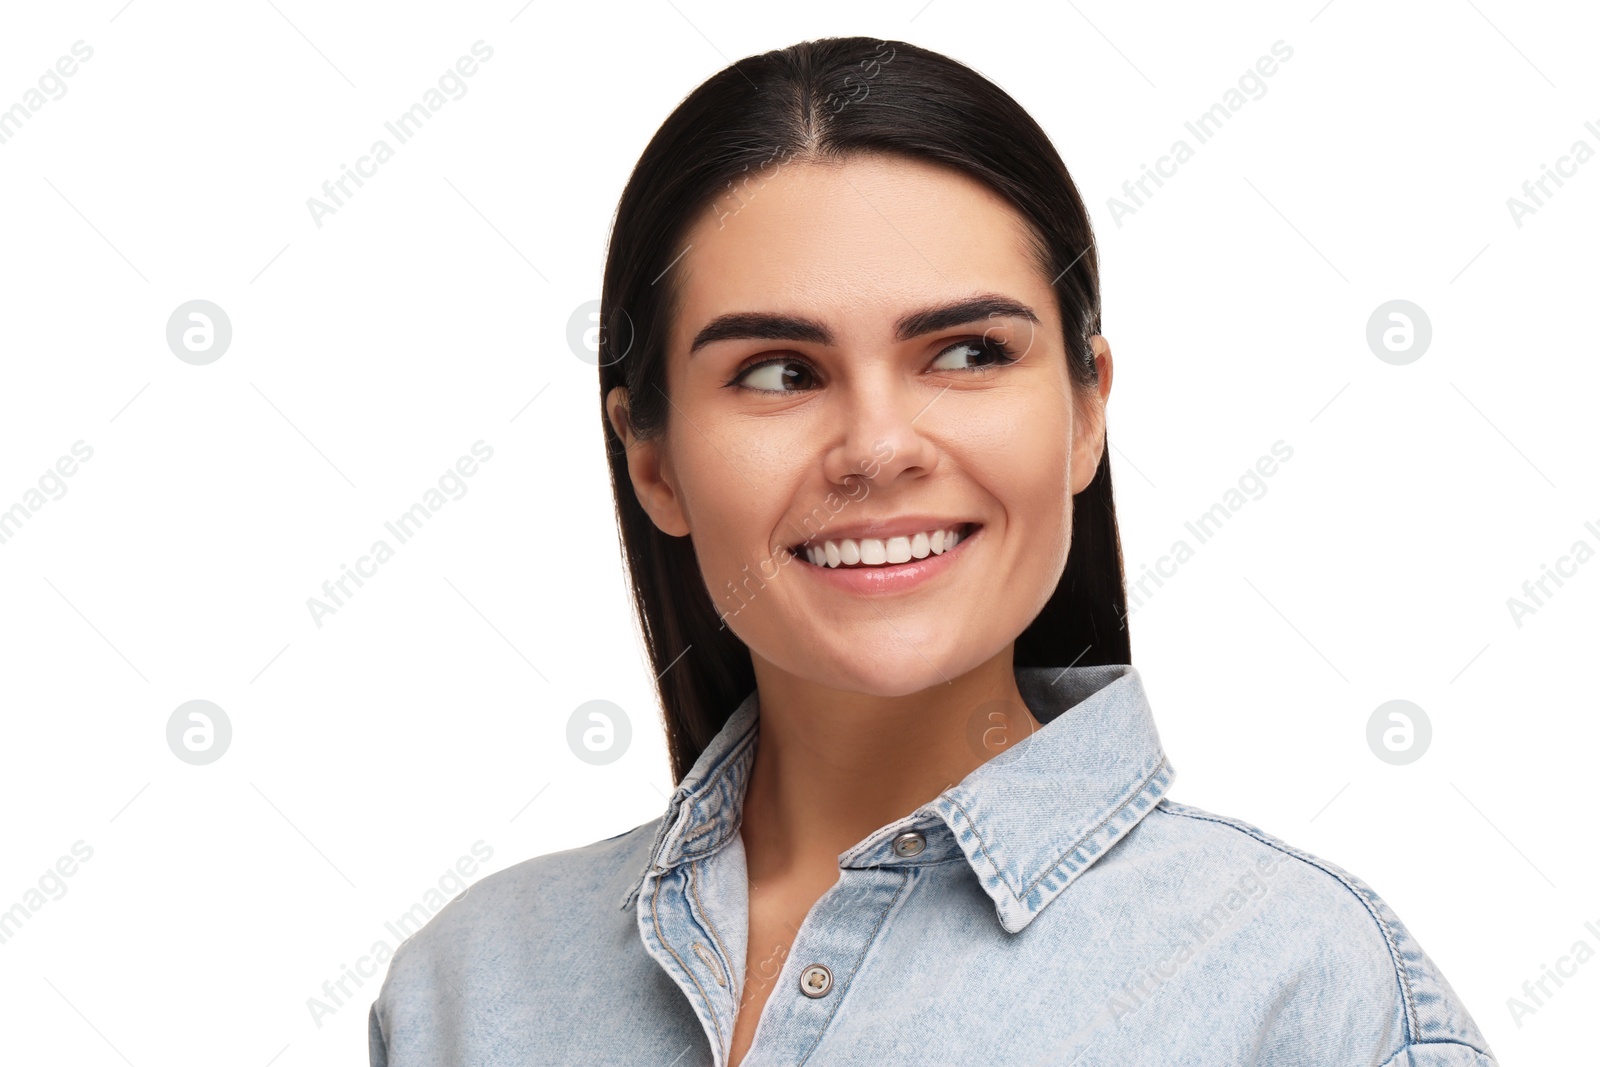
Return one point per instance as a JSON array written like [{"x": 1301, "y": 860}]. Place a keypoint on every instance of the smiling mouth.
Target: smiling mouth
[{"x": 845, "y": 553}]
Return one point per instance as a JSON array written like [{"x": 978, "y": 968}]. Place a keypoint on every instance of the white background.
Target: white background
[{"x": 431, "y": 311}]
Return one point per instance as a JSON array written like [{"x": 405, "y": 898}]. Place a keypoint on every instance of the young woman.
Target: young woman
[{"x": 853, "y": 372}]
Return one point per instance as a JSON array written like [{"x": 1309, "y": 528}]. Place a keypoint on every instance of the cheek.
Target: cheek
[
  {"x": 1045, "y": 489},
  {"x": 1025, "y": 446},
  {"x": 733, "y": 494},
  {"x": 1026, "y": 457}
]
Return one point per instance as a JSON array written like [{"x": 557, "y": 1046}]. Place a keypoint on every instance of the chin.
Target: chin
[{"x": 891, "y": 669}]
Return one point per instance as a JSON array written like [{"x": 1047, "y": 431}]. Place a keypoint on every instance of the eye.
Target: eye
[
  {"x": 982, "y": 346},
  {"x": 774, "y": 375},
  {"x": 791, "y": 374}
]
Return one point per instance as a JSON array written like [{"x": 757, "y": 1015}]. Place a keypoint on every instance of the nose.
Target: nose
[{"x": 882, "y": 424}]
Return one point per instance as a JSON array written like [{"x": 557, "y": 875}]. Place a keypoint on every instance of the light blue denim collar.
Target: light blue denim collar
[{"x": 1030, "y": 820}]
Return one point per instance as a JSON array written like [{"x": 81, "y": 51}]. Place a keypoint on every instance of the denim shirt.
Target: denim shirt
[{"x": 1052, "y": 908}]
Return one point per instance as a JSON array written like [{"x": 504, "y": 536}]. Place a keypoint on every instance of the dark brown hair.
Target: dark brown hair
[{"x": 828, "y": 99}]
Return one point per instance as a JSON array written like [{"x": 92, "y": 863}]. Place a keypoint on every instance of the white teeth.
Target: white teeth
[{"x": 873, "y": 551}]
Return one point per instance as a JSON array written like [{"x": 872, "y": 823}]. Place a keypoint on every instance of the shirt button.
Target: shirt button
[
  {"x": 910, "y": 843},
  {"x": 816, "y": 980}
]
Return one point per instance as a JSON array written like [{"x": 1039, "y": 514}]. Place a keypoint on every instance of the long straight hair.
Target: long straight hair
[{"x": 827, "y": 99}]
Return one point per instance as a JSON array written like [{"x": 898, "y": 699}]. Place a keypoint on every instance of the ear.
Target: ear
[
  {"x": 648, "y": 469},
  {"x": 1089, "y": 420}
]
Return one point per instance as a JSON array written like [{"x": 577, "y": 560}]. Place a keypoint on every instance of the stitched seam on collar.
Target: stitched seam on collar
[
  {"x": 983, "y": 846},
  {"x": 729, "y": 762},
  {"x": 663, "y": 825},
  {"x": 670, "y": 816},
  {"x": 697, "y": 796},
  {"x": 1118, "y": 810}
]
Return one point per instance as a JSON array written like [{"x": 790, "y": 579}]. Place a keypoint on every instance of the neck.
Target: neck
[{"x": 832, "y": 766}]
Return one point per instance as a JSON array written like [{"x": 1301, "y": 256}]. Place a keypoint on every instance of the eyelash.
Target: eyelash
[{"x": 1005, "y": 357}]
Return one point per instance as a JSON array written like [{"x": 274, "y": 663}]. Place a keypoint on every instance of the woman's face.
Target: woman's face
[{"x": 872, "y": 404}]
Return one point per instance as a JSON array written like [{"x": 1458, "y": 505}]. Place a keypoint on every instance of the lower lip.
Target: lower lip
[{"x": 889, "y": 578}]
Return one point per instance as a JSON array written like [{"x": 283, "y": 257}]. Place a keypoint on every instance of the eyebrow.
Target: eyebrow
[{"x": 769, "y": 326}]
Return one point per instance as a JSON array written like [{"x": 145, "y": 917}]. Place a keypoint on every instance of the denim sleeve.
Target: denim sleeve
[
  {"x": 1440, "y": 1054},
  {"x": 379, "y": 1055}
]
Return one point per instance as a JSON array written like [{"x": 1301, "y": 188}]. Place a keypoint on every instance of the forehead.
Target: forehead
[{"x": 856, "y": 242}]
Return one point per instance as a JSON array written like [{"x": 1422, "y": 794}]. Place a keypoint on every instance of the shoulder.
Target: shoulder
[
  {"x": 1330, "y": 935},
  {"x": 590, "y": 878},
  {"x": 518, "y": 929}
]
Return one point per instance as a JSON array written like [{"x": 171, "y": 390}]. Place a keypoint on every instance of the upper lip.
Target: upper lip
[{"x": 899, "y": 526}]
